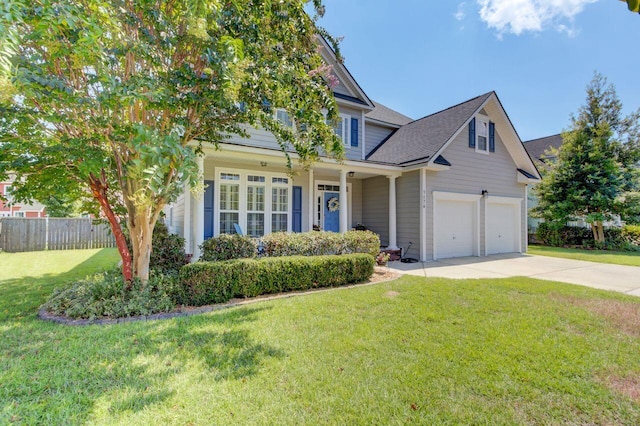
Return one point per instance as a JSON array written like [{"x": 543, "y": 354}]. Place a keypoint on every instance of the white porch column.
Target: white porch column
[
  {"x": 344, "y": 203},
  {"x": 187, "y": 231},
  {"x": 198, "y": 217},
  {"x": 311, "y": 200},
  {"x": 393, "y": 242}
]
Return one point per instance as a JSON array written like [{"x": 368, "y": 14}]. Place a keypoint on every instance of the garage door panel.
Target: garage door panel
[
  {"x": 454, "y": 228},
  {"x": 502, "y": 230}
]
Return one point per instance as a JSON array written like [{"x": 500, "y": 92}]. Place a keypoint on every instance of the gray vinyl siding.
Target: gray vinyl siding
[
  {"x": 354, "y": 152},
  {"x": 261, "y": 138},
  {"x": 408, "y": 212},
  {"x": 342, "y": 89},
  {"x": 356, "y": 201},
  {"x": 470, "y": 173},
  {"x": 375, "y": 206},
  {"x": 374, "y": 135},
  {"x": 175, "y": 219}
]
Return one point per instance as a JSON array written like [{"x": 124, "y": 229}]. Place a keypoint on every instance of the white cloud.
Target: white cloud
[
  {"x": 518, "y": 16},
  {"x": 460, "y": 15}
]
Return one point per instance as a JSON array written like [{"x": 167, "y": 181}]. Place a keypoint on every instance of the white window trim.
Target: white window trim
[
  {"x": 7, "y": 190},
  {"x": 346, "y": 129},
  {"x": 19, "y": 213},
  {"x": 482, "y": 119},
  {"x": 242, "y": 216}
]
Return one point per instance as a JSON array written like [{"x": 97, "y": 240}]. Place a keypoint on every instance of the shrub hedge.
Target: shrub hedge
[
  {"x": 319, "y": 243},
  {"x": 205, "y": 283},
  {"x": 631, "y": 234},
  {"x": 227, "y": 247},
  {"x": 105, "y": 295},
  {"x": 167, "y": 252},
  {"x": 626, "y": 238}
]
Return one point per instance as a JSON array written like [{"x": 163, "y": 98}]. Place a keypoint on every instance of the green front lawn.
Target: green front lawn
[
  {"x": 600, "y": 256},
  {"x": 437, "y": 351}
]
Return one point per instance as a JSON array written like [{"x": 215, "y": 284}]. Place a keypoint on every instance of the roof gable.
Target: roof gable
[
  {"x": 423, "y": 138},
  {"x": 385, "y": 114},
  {"x": 348, "y": 89},
  {"x": 537, "y": 147}
]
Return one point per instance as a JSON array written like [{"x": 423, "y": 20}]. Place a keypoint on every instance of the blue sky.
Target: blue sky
[{"x": 419, "y": 56}]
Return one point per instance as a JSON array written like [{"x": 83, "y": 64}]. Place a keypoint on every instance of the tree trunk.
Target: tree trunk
[
  {"x": 597, "y": 228},
  {"x": 141, "y": 231},
  {"x": 99, "y": 190}
]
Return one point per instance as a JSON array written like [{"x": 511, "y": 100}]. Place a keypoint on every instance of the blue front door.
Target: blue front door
[{"x": 332, "y": 218}]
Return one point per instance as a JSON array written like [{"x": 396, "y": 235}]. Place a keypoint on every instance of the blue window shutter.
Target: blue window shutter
[
  {"x": 354, "y": 132},
  {"x": 492, "y": 137},
  {"x": 209, "y": 198},
  {"x": 472, "y": 133},
  {"x": 296, "y": 226}
]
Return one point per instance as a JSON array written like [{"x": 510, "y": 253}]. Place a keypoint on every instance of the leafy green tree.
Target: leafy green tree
[
  {"x": 596, "y": 170},
  {"x": 633, "y": 5},
  {"x": 114, "y": 98}
]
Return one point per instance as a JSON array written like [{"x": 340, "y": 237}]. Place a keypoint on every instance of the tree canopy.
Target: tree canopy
[
  {"x": 595, "y": 176},
  {"x": 105, "y": 98},
  {"x": 633, "y": 5}
]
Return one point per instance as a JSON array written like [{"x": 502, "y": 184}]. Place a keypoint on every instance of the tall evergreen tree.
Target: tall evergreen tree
[{"x": 596, "y": 168}]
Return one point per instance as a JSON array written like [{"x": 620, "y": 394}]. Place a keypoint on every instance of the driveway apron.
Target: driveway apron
[{"x": 624, "y": 279}]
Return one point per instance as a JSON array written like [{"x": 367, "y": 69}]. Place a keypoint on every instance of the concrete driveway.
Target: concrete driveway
[{"x": 624, "y": 279}]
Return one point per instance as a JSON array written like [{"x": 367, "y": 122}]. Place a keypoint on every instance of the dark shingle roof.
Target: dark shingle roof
[
  {"x": 537, "y": 147},
  {"x": 422, "y": 138},
  {"x": 387, "y": 115}
]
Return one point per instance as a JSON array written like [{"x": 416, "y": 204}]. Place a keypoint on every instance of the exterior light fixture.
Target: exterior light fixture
[
  {"x": 351, "y": 174},
  {"x": 485, "y": 193},
  {"x": 263, "y": 163}
]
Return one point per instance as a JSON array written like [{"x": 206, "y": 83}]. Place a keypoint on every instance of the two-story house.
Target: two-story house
[
  {"x": 8, "y": 209},
  {"x": 452, "y": 183}
]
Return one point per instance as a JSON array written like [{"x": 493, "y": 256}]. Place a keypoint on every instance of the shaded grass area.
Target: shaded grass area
[
  {"x": 600, "y": 256},
  {"x": 430, "y": 351}
]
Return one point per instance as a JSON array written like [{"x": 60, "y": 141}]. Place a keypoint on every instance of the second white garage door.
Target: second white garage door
[
  {"x": 455, "y": 228},
  {"x": 502, "y": 217}
]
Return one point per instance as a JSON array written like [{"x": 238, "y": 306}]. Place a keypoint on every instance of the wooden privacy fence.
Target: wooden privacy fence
[{"x": 27, "y": 234}]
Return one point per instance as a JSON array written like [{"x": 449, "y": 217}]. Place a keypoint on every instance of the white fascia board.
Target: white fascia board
[
  {"x": 381, "y": 123},
  {"x": 524, "y": 179},
  {"x": 349, "y": 103},
  {"x": 427, "y": 166}
]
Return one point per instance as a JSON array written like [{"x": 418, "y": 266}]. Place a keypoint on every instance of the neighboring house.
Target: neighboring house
[
  {"x": 451, "y": 184},
  {"x": 8, "y": 209},
  {"x": 540, "y": 152}
]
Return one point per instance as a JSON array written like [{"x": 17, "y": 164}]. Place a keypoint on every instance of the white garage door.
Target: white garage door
[
  {"x": 455, "y": 228},
  {"x": 503, "y": 226}
]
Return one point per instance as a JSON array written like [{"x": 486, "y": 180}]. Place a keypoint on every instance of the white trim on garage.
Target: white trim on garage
[
  {"x": 516, "y": 203},
  {"x": 474, "y": 200}
]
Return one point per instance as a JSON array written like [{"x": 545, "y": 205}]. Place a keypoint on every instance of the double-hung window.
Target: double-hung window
[
  {"x": 279, "y": 204},
  {"x": 229, "y": 202},
  {"x": 342, "y": 129},
  {"x": 283, "y": 117},
  {"x": 482, "y": 135},
  {"x": 255, "y": 205}
]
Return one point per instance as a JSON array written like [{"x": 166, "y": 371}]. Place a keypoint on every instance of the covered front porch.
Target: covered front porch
[{"x": 250, "y": 190}]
